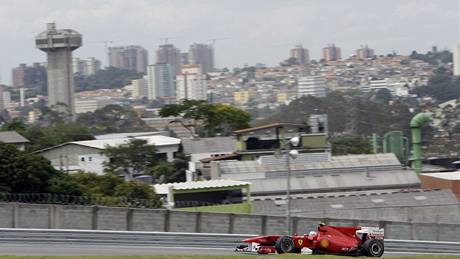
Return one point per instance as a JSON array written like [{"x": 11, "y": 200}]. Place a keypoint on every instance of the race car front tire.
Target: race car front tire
[
  {"x": 373, "y": 247},
  {"x": 285, "y": 244}
]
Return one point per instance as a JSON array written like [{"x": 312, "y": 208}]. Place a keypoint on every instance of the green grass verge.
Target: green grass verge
[
  {"x": 216, "y": 257},
  {"x": 238, "y": 208}
]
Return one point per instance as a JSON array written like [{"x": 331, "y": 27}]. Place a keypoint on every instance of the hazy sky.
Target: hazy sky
[{"x": 257, "y": 30}]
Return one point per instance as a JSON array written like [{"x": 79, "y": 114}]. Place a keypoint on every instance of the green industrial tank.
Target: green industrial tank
[{"x": 394, "y": 142}]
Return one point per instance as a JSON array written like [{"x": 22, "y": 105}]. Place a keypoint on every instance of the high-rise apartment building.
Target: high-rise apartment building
[
  {"x": 86, "y": 67},
  {"x": 456, "y": 59},
  {"x": 140, "y": 87},
  {"x": 30, "y": 77},
  {"x": 191, "y": 84},
  {"x": 160, "y": 80},
  {"x": 168, "y": 54},
  {"x": 311, "y": 85},
  {"x": 202, "y": 54},
  {"x": 184, "y": 58},
  {"x": 2, "y": 101},
  {"x": 364, "y": 52},
  {"x": 332, "y": 53},
  {"x": 300, "y": 54},
  {"x": 134, "y": 58},
  {"x": 58, "y": 45},
  {"x": 18, "y": 75}
]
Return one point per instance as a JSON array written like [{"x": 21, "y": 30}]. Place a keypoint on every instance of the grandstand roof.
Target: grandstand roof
[
  {"x": 341, "y": 172},
  {"x": 195, "y": 185}
]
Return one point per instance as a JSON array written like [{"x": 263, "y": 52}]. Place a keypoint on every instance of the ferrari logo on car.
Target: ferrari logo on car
[{"x": 300, "y": 241}]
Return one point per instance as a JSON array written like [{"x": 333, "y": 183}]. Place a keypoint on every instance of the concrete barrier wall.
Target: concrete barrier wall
[
  {"x": 423, "y": 214},
  {"x": 13, "y": 215}
]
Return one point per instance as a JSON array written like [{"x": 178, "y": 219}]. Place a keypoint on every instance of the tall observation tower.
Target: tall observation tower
[{"x": 58, "y": 45}]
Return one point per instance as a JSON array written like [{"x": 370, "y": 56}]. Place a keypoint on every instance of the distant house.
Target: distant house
[
  {"x": 13, "y": 138},
  {"x": 87, "y": 155},
  {"x": 206, "y": 148}
]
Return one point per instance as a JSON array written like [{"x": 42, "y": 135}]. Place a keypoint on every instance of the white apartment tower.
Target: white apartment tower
[
  {"x": 140, "y": 88},
  {"x": 191, "y": 84},
  {"x": 311, "y": 85},
  {"x": 160, "y": 81},
  {"x": 457, "y": 59}
]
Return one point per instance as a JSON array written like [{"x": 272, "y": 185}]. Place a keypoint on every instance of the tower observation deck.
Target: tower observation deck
[{"x": 59, "y": 44}]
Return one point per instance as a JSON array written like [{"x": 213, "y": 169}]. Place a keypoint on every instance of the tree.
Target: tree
[
  {"x": 55, "y": 134},
  {"x": 135, "y": 190},
  {"x": 350, "y": 144},
  {"x": 110, "y": 77},
  {"x": 111, "y": 119},
  {"x": 166, "y": 172},
  {"x": 215, "y": 118},
  {"x": 383, "y": 96},
  {"x": 441, "y": 86},
  {"x": 130, "y": 159},
  {"x": 22, "y": 172}
]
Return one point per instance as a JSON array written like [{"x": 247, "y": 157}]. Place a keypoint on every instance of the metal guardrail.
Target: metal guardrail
[{"x": 181, "y": 239}]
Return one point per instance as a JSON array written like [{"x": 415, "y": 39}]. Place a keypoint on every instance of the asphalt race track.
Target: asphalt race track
[{"x": 105, "y": 250}]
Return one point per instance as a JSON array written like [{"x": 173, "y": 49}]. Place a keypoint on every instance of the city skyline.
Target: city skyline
[{"x": 251, "y": 37}]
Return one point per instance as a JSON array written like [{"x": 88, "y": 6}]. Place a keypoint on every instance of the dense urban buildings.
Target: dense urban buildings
[
  {"x": 29, "y": 76},
  {"x": 86, "y": 67},
  {"x": 364, "y": 52},
  {"x": 311, "y": 85},
  {"x": 456, "y": 59},
  {"x": 160, "y": 80},
  {"x": 300, "y": 54},
  {"x": 168, "y": 54},
  {"x": 191, "y": 84},
  {"x": 59, "y": 44},
  {"x": 332, "y": 53},
  {"x": 134, "y": 58},
  {"x": 202, "y": 54}
]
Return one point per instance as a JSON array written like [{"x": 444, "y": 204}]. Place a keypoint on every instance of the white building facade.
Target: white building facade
[
  {"x": 456, "y": 59},
  {"x": 311, "y": 85},
  {"x": 191, "y": 84},
  {"x": 87, "y": 155},
  {"x": 140, "y": 88}
]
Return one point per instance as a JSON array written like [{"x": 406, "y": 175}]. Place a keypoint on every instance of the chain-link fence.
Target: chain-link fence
[{"x": 51, "y": 198}]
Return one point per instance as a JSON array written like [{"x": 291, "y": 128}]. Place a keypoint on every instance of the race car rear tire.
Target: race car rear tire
[
  {"x": 373, "y": 247},
  {"x": 285, "y": 244}
]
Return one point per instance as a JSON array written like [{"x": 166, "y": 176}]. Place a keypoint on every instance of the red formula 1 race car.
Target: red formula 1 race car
[{"x": 353, "y": 241}]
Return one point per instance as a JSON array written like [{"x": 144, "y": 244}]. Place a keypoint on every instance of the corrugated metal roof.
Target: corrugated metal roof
[
  {"x": 345, "y": 172},
  {"x": 301, "y": 158},
  {"x": 164, "y": 188},
  {"x": 126, "y": 135},
  {"x": 330, "y": 182},
  {"x": 209, "y": 145},
  {"x": 151, "y": 140},
  {"x": 12, "y": 137}
]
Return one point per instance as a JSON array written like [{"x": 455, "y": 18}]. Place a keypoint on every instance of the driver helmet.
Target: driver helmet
[{"x": 311, "y": 235}]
